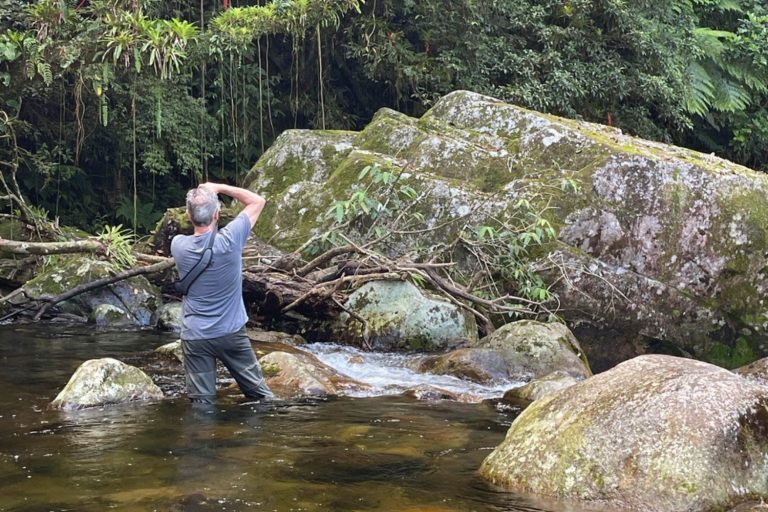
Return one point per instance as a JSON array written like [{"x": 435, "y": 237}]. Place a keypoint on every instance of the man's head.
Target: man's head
[{"x": 202, "y": 206}]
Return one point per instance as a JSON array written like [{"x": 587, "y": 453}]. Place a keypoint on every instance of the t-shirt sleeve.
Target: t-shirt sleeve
[{"x": 237, "y": 231}]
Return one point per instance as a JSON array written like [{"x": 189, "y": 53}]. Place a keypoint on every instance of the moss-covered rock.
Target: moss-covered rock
[
  {"x": 656, "y": 433},
  {"x": 534, "y": 349},
  {"x": 657, "y": 243},
  {"x": 61, "y": 273},
  {"x": 401, "y": 317},
  {"x": 106, "y": 381}
]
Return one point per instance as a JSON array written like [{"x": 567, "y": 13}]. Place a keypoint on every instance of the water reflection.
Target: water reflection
[{"x": 348, "y": 454}]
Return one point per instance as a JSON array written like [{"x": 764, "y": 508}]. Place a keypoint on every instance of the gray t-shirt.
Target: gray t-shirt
[{"x": 214, "y": 305}]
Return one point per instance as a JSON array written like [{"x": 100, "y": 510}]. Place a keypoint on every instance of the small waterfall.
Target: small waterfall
[{"x": 389, "y": 374}]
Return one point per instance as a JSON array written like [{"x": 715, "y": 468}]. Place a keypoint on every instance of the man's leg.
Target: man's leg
[
  {"x": 236, "y": 352},
  {"x": 200, "y": 371}
]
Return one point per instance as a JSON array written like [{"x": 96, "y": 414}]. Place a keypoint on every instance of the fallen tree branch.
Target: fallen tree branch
[
  {"x": 48, "y": 248},
  {"x": 151, "y": 269}
]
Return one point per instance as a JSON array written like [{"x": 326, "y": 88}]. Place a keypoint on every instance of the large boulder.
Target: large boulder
[
  {"x": 399, "y": 316},
  {"x": 136, "y": 297},
  {"x": 106, "y": 381},
  {"x": 657, "y": 246},
  {"x": 656, "y": 433}
]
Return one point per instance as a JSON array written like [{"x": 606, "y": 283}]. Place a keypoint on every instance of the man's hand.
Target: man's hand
[{"x": 253, "y": 202}]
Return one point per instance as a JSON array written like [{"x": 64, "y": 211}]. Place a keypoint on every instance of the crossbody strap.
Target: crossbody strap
[{"x": 182, "y": 285}]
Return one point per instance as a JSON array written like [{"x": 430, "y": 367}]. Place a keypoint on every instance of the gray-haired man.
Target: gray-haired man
[{"x": 213, "y": 313}]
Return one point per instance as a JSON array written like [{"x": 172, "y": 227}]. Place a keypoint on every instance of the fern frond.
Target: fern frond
[
  {"x": 730, "y": 96},
  {"x": 44, "y": 69},
  {"x": 702, "y": 89}
]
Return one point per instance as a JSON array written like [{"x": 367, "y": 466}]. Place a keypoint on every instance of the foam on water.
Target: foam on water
[{"x": 388, "y": 373}]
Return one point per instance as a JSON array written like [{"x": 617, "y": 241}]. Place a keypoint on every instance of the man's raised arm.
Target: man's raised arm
[{"x": 253, "y": 202}]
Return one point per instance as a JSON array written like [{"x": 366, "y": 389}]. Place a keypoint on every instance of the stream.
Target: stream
[{"x": 377, "y": 452}]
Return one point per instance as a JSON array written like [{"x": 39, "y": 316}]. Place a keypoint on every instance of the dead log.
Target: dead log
[{"x": 48, "y": 248}]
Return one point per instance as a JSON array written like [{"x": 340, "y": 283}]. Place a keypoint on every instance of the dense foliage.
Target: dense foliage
[{"x": 117, "y": 107}]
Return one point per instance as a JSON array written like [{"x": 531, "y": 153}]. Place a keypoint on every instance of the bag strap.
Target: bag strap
[{"x": 182, "y": 285}]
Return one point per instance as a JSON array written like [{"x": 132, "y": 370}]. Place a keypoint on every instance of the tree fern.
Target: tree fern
[
  {"x": 730, "y": 96},
  {"x": 702, "y": 89}
]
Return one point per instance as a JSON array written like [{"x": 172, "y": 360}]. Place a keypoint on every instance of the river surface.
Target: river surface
[{"x": 380, "y": 452}]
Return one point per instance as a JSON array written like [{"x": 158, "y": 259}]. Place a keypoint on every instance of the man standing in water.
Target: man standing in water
[{"x": 213, "y": 313}]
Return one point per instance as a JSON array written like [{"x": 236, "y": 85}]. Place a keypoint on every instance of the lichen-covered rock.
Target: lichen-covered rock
[
  {"x": 534, "y": 349},
  {"x": 169, "y": 317},
  {"x": 657, "y": 243},
  {"x": 106, "y": 381},
  {"x": 64, "y": 272},
  {"x": 400, "y": 317},
  {"x": 539, "y": 388},
  {"x": 302, "y": 374},
  {"x": 656, "y": 433}
]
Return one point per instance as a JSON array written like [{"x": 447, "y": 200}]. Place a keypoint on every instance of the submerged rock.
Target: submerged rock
[
  {"x": 656, "y": 433},
  {"x": 106, "y": 381},
  {"x": 656, "y": 242},
  {"x": 539, "y": 388},
  {"x": 399, "y": 316}
]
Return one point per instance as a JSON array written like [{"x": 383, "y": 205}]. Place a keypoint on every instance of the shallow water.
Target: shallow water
[{"x": 373, "y": 453}]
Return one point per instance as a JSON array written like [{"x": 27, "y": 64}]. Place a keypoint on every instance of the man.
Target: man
[{"x": 213, "y": 313}]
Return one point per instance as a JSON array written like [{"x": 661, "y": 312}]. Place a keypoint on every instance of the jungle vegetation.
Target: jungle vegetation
[{"x": 111, "y": 109}]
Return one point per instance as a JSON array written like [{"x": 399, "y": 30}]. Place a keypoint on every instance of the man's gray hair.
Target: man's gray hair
[{"x": 202, "y": 204}]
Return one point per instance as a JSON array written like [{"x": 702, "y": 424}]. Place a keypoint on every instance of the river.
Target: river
[{"x": 380, "y": 452}]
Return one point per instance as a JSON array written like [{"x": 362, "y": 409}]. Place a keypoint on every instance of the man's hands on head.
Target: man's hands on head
[{"x": 253, "y": 202}]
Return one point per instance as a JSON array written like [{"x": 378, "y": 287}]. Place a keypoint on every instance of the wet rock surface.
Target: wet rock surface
[
  {"x": 106, "y": 381},
  {"x": 656, "y": 433}
]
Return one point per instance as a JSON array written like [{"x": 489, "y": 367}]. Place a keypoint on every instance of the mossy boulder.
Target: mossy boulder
[
  {"x": 106, "y": 381},
  {"x": 656, "y": 433},
  {"x": 534, "y": 349},
  {"x": 135, "y": 296},
  {"x": 399, "y": 316},
  {"x": 658, "y": 244}
]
